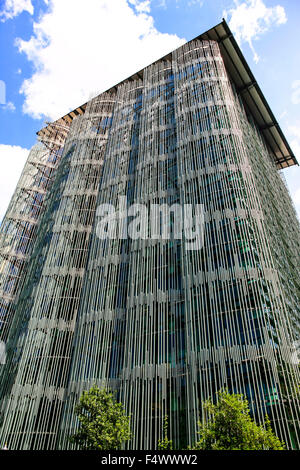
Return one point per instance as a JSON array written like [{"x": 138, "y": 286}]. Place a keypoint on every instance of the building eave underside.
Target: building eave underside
[{"x": 245, "y": 84}]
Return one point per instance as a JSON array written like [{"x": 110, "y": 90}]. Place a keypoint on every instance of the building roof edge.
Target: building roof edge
[{"x": 246, "y": 86}]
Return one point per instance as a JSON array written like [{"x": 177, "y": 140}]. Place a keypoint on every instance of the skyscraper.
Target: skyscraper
[{"x": 163, "y": 325}]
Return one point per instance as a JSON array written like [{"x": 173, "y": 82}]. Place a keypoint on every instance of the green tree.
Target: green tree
[
  {"x": 103, "y": 424},
  {"x": 165, "y": 443},
  {"x": 230, "y": 427}
]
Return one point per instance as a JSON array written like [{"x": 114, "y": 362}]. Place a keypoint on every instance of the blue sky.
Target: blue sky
[{"x": 56, "y": 54}]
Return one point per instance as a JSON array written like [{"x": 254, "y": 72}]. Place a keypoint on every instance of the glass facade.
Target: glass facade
[{"x": 163, "y": 326}]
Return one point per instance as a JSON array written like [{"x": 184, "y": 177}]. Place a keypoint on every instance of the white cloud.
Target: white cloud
[
  {"x": 295, "y": 146},
  {"x": 12, "y": 160},
  {"x": 9, "y": 106},
  {"x": 91, "y": 46},
  {"x": 283, "y": 114},
  {"x": 142, "y": 6},
  {"x": 296, "y": 93},
  {"x": 249, "y": 19},
  {"x": 12, "y": 8},
  {"x": 294, "y": 131},
  {"x": 195, "y": 2}
]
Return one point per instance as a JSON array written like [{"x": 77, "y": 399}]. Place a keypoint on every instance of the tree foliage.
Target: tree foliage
[
  {"x": 103, "y": 424},
  {"x": 230, "y": 427},
  {"x": 165, "y": 443}
]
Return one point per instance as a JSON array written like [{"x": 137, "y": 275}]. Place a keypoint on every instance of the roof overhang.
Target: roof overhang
[
  {"x": 245, "y": 84},
  {"x": 251, "y": 94}
]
